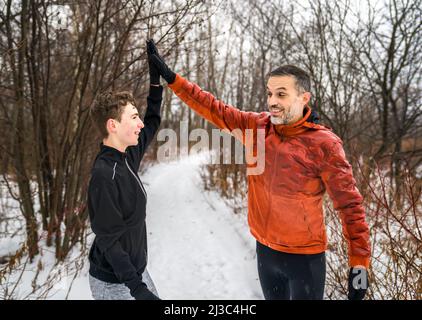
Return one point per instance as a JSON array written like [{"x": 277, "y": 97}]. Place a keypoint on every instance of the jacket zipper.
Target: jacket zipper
[
  {"x": 137, "y": 179},
  {"x": 270, "y": 188}
]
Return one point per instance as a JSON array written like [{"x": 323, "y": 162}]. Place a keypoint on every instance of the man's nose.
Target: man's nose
[
  {"x": 272, "y": 101},
  {"x": 141, "y": 124}
]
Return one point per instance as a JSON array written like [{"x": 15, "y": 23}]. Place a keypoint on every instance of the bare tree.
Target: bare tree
[{"x": 56, "y": 58}]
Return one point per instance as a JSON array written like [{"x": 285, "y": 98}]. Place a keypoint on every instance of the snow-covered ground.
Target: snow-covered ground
[{"x": 198, "y": 249}]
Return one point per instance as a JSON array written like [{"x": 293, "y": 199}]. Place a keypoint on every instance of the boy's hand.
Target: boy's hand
[
  {"x": 155, "y": 59},
  {"x": 143, "y": 293},
  {"x": 154, "y": 75}
]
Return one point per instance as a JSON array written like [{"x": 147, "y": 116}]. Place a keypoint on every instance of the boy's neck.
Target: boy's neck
[{"x": 110, "y": 142}]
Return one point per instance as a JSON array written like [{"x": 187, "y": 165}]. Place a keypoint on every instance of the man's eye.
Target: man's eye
[
  {"x": 269, "y": 94},
  {"x": 281, "y": 94}
]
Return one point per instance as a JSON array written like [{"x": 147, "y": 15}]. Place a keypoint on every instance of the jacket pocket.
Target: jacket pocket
[
  {"x": 314, "y": 217},
  {"x": 295, "y": 222}
]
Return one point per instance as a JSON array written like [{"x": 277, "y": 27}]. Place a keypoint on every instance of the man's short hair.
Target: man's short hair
[
  {"x": 109, "y": 105},
  {"x": 303, "y": 81}
]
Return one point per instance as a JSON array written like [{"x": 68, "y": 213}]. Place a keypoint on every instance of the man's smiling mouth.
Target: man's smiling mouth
[{"x": 276, "y": 110}]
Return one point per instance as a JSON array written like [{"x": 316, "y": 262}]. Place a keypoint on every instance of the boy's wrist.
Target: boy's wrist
[{"x": 155, "y": 92}]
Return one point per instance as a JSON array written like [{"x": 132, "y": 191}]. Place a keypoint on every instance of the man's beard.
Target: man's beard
[
  {"x": 277, "y": 120},
  {"x": 281, "y": 120}
]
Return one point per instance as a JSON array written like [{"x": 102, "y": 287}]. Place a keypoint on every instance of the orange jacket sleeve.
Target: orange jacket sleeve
[
  {"x": 337, "y": 175},
  {"x": 207, "y": 106}
]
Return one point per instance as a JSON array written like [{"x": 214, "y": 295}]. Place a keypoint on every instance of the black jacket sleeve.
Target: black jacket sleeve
[
  {"x": 152, "y": 118},
  {"x": 108, "y": 225}
]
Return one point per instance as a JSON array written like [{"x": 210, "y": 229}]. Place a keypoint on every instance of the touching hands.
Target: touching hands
[{"x": 155, "y": 60}]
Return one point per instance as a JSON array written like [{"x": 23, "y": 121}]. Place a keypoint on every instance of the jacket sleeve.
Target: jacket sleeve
[
  {"x": 152, "y": 118},
  {"x": 337, "y": 175},
  {"x": 108, "y": 225},
  {"x": 207, "y": 106}
]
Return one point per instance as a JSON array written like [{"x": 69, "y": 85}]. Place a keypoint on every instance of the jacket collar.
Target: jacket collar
[
  {"x": 112, "y": 153},
  {"x": 298, "y": 127}
]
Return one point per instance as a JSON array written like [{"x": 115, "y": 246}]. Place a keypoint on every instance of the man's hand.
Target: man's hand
[
  {"x": 358, "y": 283},
  {"x": 155, "y": 59}
]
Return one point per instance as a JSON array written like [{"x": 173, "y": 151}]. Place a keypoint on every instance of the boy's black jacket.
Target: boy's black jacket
[{"x": 117, "y": 207}]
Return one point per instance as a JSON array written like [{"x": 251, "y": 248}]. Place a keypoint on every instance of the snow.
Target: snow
[
  {"x": 8, "y": 246},
  {"x": 198, "y": 248}
]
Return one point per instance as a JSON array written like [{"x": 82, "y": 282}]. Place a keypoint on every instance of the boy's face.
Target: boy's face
[{"x": 128, "y": 129}]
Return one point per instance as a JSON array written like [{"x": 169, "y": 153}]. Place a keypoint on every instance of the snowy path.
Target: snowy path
[{"x": 198, "y": 249}]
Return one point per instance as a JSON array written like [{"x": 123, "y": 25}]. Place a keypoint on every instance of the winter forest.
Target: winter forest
[{"x": 365, "y": 62}]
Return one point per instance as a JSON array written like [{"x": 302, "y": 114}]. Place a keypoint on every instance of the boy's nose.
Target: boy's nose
[{"x": 141, "y": 124}]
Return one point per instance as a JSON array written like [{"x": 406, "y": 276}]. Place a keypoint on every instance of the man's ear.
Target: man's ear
[{"x": 306, "y": 98}]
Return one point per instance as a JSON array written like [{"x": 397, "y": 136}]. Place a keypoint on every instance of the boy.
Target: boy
[{"x": 117, "y": 198}]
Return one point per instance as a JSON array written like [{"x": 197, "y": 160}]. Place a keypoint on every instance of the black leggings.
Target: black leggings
[{"x": 287, "y": 276}]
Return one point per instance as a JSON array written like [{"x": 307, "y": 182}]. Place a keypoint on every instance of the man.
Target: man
[
  {"x": 302, "y": 161},
  {"x": 117, "y": 198}
]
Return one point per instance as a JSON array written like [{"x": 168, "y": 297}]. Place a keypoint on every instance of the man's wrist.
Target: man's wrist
[{"x": 359, "y": 266}]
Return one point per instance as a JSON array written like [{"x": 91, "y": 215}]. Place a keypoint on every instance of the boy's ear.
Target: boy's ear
[{"x": 111, "y": 125}]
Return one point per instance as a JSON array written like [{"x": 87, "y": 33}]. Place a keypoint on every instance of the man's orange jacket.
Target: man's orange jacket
[{"x": 302, "y": 161}]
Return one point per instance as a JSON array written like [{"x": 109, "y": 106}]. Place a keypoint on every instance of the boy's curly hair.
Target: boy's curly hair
[{"x": 109, "y": 105}]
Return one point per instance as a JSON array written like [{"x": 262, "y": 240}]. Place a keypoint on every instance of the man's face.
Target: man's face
[
  {"x": 129, "y": 127},
  {"x": 285, "y": 102}
]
